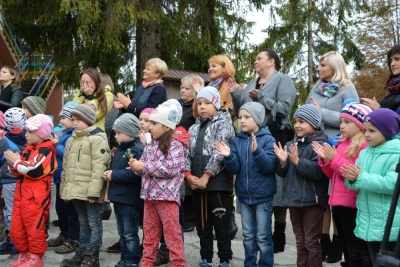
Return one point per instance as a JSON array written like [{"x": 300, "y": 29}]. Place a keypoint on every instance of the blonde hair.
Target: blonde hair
[
  {"x": 356, "y": 142},
  {"x": 161, "y": 66},
  {"x": 335, "y": 60},
  {"x": 226, "y": 63}
]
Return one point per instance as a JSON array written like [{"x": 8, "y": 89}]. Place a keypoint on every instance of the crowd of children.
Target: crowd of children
[{"x": 144, "y": 175}]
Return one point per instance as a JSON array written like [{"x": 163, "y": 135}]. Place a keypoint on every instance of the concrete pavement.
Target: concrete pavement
[{"x": 192, "y": 247}]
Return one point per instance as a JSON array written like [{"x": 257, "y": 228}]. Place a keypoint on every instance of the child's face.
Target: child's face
[
  {"x": 303, "y": 128},
  {"x": 247, "y": 123},
  {"x": 66, "y": 123},
  {"x": 78, "y": 124},
  {"x": 144, "y": 122},
  {"x": 121, "y": 137},
  {"x": 157, "y": 129},
  {"x": 205, "y": 108},
  {"x": 348, "y": 129},
  {"x": 27, "y": 113},
  {"x": 372, "y": 135},
  {"x": 187, "y": 91},
  {"x": 32, "y": 137}
]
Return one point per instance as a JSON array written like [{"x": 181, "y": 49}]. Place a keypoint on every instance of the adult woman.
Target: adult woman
[
  {"x": 276, "y": 92},
  {"x": 333, "y": 87},
  {"x": 392, "y": 99},
  {"x": 10, "y": 92},
  {"x": 150, "y": 93},
  {"x": 92, "y": 92}
]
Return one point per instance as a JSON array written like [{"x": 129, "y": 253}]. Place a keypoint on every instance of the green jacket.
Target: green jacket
[
  {"x": 86, "y": 157},
  {"x": 375, "y": 184}
]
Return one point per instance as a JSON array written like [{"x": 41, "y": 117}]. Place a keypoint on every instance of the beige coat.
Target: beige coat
[{"x": 86, "y": 157}]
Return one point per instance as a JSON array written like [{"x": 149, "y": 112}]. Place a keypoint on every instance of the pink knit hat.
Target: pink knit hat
[
  {"x": 41, "y": 124},
  {"x": 2, "y": 120},
  {"x": 355, "y": 112},
  {"x": 147, "y": 110}
]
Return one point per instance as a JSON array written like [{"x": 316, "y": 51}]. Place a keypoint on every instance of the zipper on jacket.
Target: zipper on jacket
[
  {"x": 247, "y": 169},
  {"x": 79, "y": 152}
]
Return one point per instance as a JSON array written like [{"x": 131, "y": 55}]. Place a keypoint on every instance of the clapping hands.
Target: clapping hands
[
  {"x": 325, "y": 152},
  {"x": 283, "y": 154}
]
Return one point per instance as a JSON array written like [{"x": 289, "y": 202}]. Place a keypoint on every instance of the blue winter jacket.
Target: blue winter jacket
[
  {"x": 255, "y": 181},
  {"x": 125, "y": 185},
  {"x": 60, "y": 147},
  {"x": 19, "y": 140},
  {"x": 149, "y": 97}
]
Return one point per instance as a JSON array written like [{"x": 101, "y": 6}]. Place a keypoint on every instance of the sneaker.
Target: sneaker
[
  {"x": 8, "y": 247},
  {"x": 162, "y": 257},
  {"x": 115, "y": 248},
  {"x": 56, "y": 242},
  {"x": 131, "y": 264},
  {"x": 33, "y": 261},
  {"x": 224, "y": 264},
  {"x": 21, "y": 259},
  {"x": 68, "y": 247},
  {"x": 121, "y": 263},
  {"x": 204, "y": 263}
]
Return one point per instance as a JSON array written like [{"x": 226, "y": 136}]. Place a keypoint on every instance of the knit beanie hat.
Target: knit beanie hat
[
  {"x": 41, "y": 124},
  {"x": 147, "y": 110},
  {"x": 127, "y": 124},
  {"x": 386, "y": 120},
  {"x": 211, "y": 94},
  {"x": 167, "y": 114},
  {"x": 34, "y": 104},
  {"x": 256, "y": 110},
  {"x": 2, "y": 120},
  {"x": 15, "y": 119},
  {"x": 178, "y": 108},
  {"x": 355, "y": 112},
  {"x": 85, "y": 113},
  {"x": 66, "y": 110},
  {"x": 310, "y": 114}
]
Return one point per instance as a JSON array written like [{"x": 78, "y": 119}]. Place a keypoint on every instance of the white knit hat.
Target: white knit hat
[{"x": 167, "y": 114}]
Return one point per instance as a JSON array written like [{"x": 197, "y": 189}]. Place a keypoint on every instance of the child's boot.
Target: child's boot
[
  {"x": 76, "y": 260},
  {"x": 32, "y": 260},
  {"x": 162, "y": 256},
  {"x": 23, "y": 257},
  {"x": 91, "y": 258},
  {"x": 335, "y": 254},
  {"x": 279, "y": 237}
]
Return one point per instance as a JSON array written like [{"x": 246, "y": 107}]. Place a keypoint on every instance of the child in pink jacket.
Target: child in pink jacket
[
  {"x": 342, "y": 199},
  {"x": 161, "y": 168}
]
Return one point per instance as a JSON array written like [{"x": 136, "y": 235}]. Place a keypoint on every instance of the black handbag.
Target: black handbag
[{"x": 282, "y": 133}]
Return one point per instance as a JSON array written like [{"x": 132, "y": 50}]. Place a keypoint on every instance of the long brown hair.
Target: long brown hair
[
  {"x": 99, "y": 90},
  {"x": 165, "y": 141}
]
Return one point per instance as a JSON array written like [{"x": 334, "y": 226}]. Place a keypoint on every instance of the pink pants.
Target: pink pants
[{"x": 162, "y": 216}]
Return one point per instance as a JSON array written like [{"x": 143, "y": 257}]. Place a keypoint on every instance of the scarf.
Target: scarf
[
  {"x": 153, "y": 82},
  {"x": 327, "y": 89},
  {"x": 393, "y": 84},
  {"x": 217, "y": 83}
]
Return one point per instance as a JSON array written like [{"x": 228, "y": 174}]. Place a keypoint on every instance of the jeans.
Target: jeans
[
  {"x": 257, "y": 233},
  {"x": 8, "y": 194},
  {"x": 67, "y": 217},
  {"x": 128, "y": 228},
  {"x": 91, "y": 226}
]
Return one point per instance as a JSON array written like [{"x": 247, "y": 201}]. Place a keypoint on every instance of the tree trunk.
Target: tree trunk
[
  {"x": 148, "y": 38},
  {"x": 310, "y": 47}
]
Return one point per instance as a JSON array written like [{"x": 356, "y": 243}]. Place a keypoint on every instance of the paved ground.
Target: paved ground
[{"x": 286, "y": 258}]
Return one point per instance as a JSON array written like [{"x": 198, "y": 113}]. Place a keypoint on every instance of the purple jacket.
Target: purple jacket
[
  {"x": 340, "y": 194},
  {"x": 163, "y": 175}
]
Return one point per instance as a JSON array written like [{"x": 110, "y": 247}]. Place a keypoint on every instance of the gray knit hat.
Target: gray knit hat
[
  {"x": 211, "y": 94},
  {"x": 256, "y": 110},
  {"x": 34, "y": 104},
  {"x": 67, "y": 109},
  {"x": 310, "y": 114},
  {"x": 127, "y": 124},
  {"x": 85, "y": 113}
]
